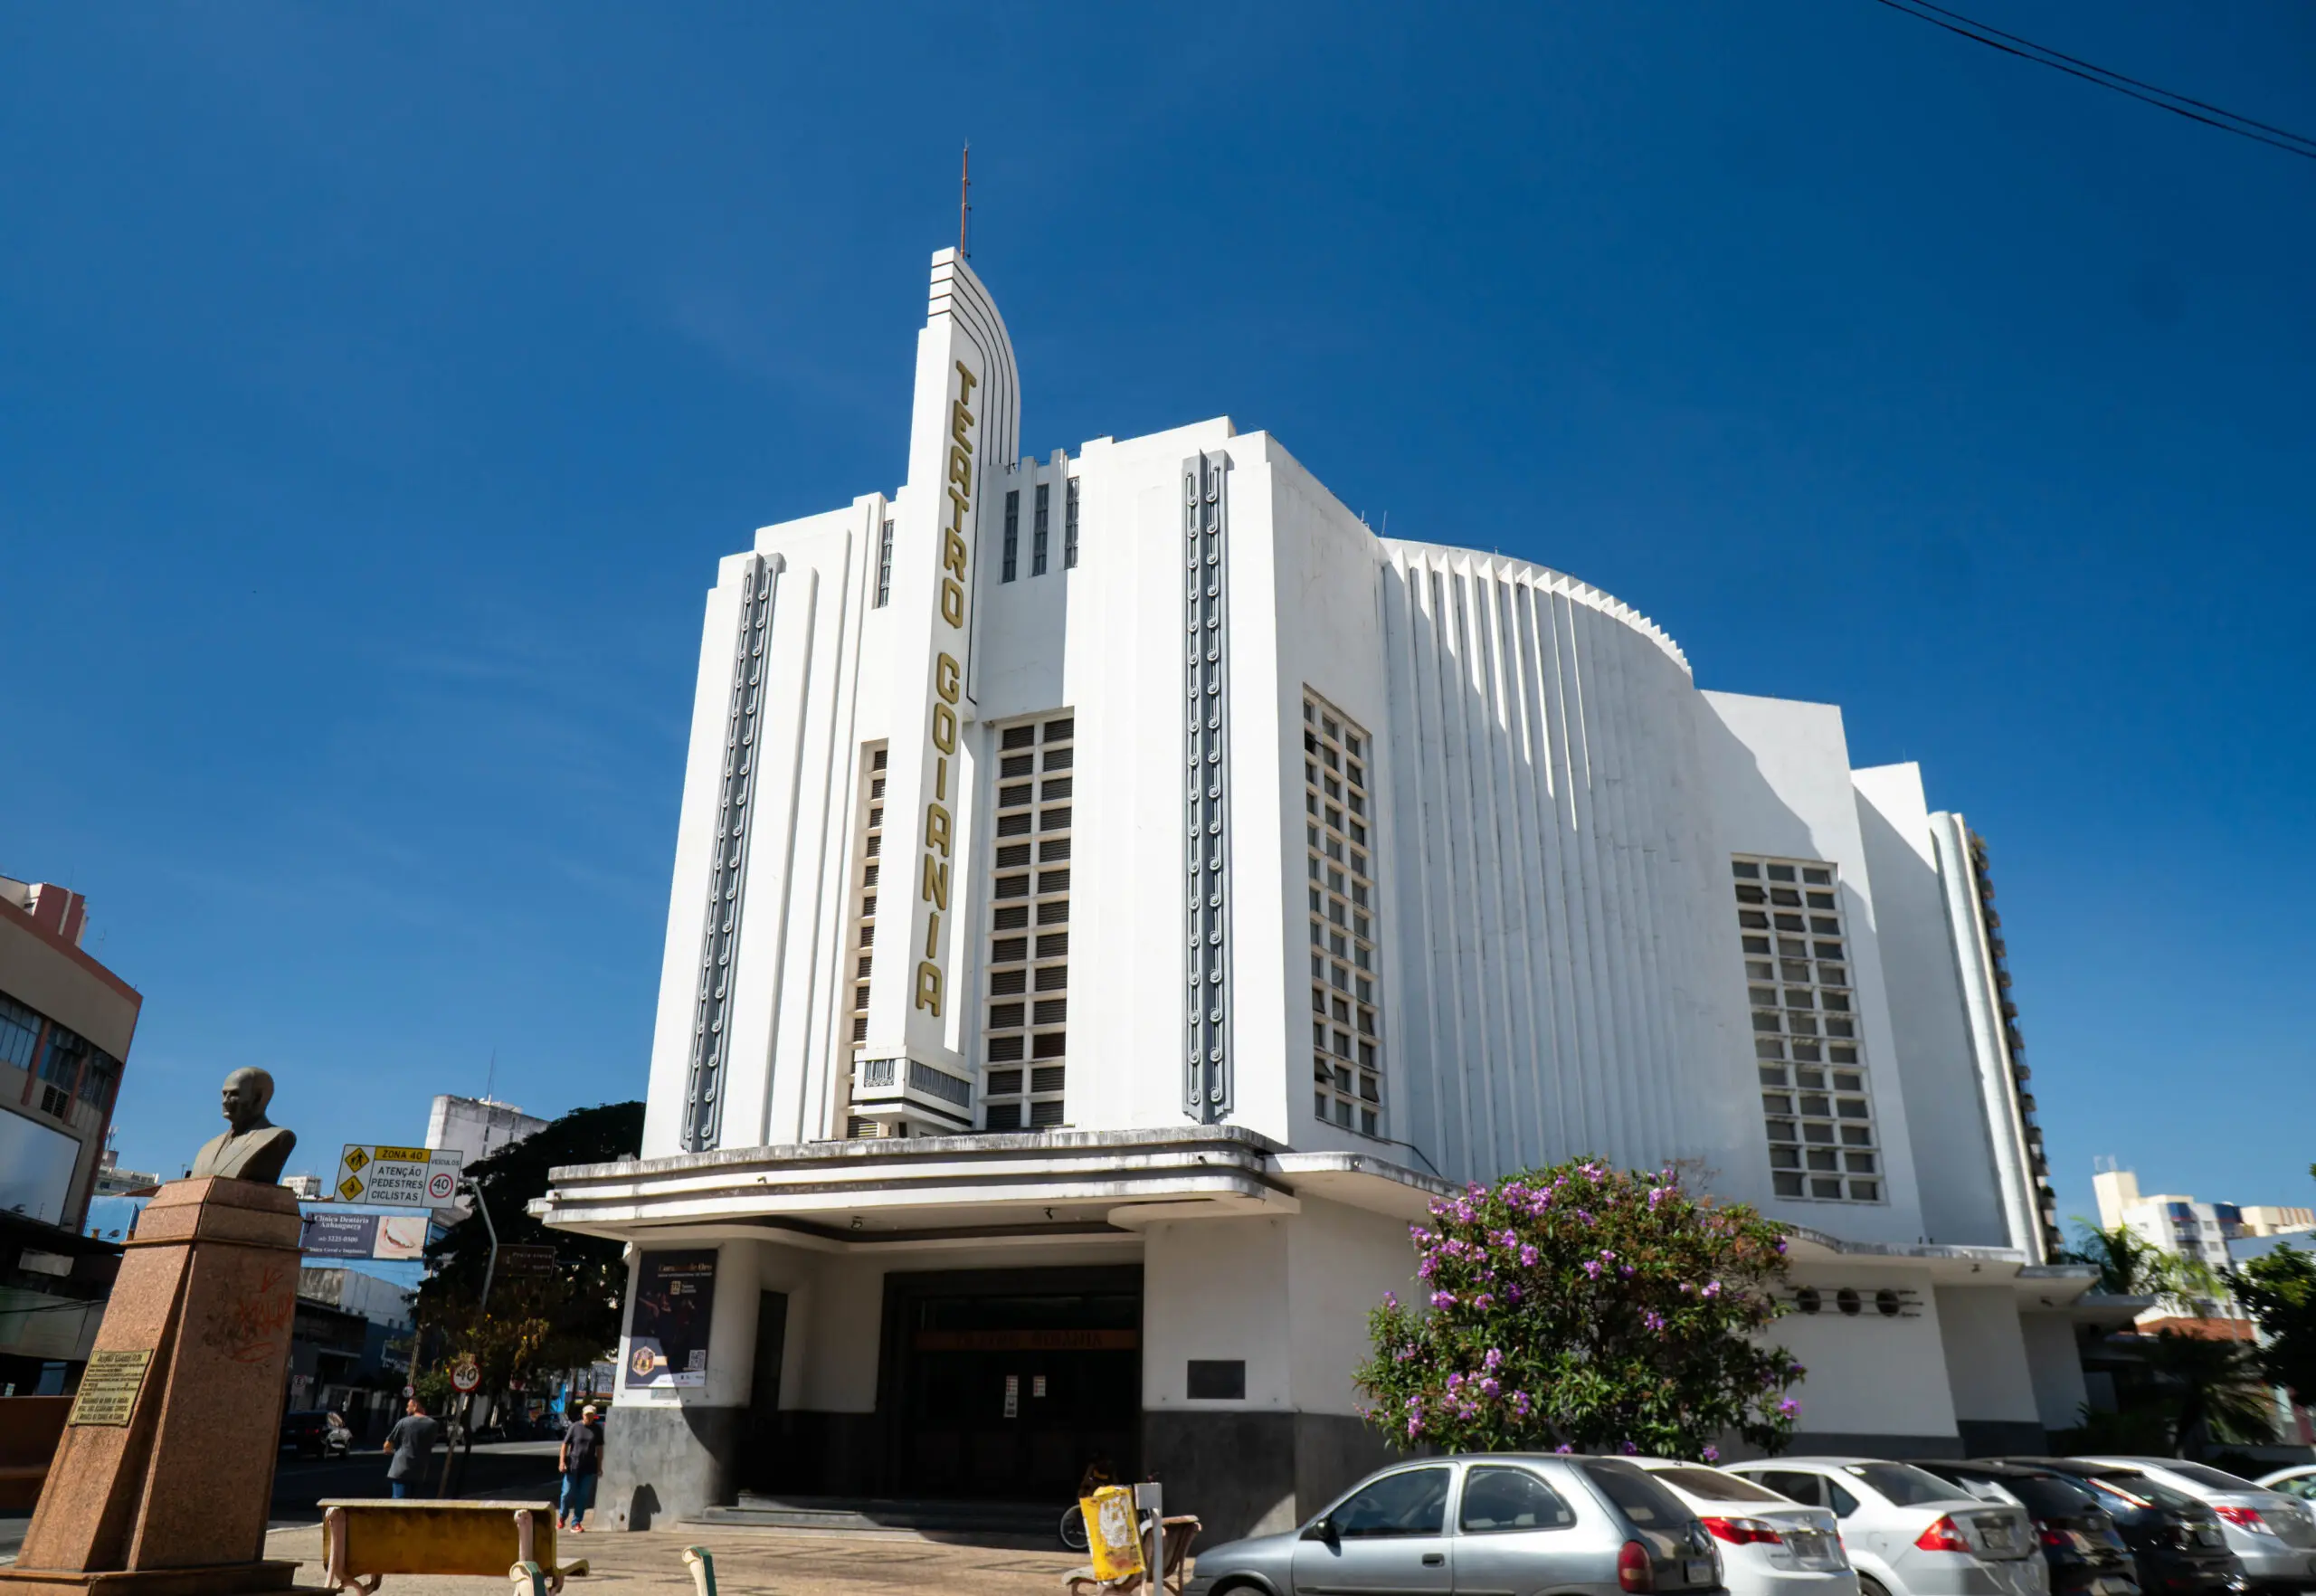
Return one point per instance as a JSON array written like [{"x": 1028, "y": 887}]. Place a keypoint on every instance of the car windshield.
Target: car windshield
[
  {"x": 1904, "y": 1485},
  {"x": 1714, "y": 1486},
  {"x": 2217, "y": 1479},
  {"x": 2134, "y": 1494},
  {"x": 1648, "y": 1504}
]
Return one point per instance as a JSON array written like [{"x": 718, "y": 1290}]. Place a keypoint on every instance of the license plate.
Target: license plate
[
  {"x": 1697, "y": 1570},
  {"x": 2208, "y": 1535},
  {"x": 1997, "y": 1536}
]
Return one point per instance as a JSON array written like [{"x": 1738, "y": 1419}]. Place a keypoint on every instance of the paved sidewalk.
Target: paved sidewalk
[{"x": 749, "y": 1562}]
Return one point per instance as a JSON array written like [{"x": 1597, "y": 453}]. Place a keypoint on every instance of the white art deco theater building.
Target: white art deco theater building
[{"x": 1114, "y": 892}]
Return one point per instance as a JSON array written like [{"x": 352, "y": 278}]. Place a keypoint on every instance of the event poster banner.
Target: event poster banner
[
  {"x": 392, "y": 1237},
  {"x": 339, "y": 1235},
  {"x": 666, "y": 1341}
]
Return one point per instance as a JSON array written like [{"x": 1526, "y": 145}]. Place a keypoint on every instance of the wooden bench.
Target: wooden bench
[{"x": 366, "y": 1539}]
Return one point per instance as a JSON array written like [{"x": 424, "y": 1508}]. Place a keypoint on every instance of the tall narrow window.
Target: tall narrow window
[
  {"x": 1025, "y": 1045},
  {"x": 885, "y": 565},
  {"x": 1346, "y": 1032},
  {"x": 1012, "y": 532},
  {"x": 867, "y": 861},
  {"x": 1816, "y": 1099},
  {"x": 1038, "y": 534},
  {"x": 1070, "y": 527}
]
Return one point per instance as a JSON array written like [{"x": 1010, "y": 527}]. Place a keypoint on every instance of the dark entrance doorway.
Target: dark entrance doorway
[{"x": 1004, "y": 1384}]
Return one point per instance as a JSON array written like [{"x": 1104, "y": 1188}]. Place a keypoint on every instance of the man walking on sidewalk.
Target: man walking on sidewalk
[
  {"x": 412, "y": 1441},
  {"x": 581, "y": 1462}
]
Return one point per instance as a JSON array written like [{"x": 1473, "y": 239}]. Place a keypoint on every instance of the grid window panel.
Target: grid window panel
[
  {"x": 1038, "y": 532},
  {"x": 1032, "y": 800},
  {"x": 1012, "y": 534},
  {"x": 1817, "y": 1100},
  {"x": 1070, "y": 527},
  {"x": 862, "y": 889},
  {"x": 1346, "y": 1061}
]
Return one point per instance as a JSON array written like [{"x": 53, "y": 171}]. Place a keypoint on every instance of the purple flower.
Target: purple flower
[
  {"x": 1593, "y": 1267},
  {"x": 1512, "y": 1292},
  {"x": 1585, "y": 1214},
  {"x": 1564, "y": 1447},
  {"x": 1625, "y": 1270},
  {"x": 1630, "y": 1449},
  {"x": 1713, "y": 1288},
  {"x": 1483, "y": 1301},
  {"x": 1441, "y": 1299},
  {"x": 1493, "y": 1360},
  {"x": 1492, "y": 1387},
  {"x": 1653, "y": 1319},
  {"x": 1713, "y": 1454},
  {"x": 1391, "y": 1299},
  {"x": 1527, "y": 1257},
  {"x": 1520, "y": 1404},
  {"x": 1788, "y": 1407}
]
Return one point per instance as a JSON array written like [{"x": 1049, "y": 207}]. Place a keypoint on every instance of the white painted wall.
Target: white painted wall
[
  {"x": 1216, "y": 1288},
  {"x": 1869, "y": 1375},
  {"x": 2056, "y": 1366},
  {"x": 1986, "y": 1356},
  {"x": 1340, "y": 1261},
  {"x": 1780, "y": 776},
  {"x": 1953, "y": 1153}
]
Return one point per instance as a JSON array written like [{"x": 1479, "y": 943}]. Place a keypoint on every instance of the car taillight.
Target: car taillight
[
  {"x": 2053, "y": 1536},
  {"x": 1744, "y": 1532},
  {"x": 1635, "y": 1571},
  {"x": 2246, "y": 1518},
  {"x": 1944, "y": 1536}
]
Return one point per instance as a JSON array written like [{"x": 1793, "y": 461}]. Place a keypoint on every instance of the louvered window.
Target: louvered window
[{"x": 1023, "y": 894}]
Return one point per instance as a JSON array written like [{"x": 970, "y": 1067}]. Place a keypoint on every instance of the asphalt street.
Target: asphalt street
[{"x": 508, "y": 1471}]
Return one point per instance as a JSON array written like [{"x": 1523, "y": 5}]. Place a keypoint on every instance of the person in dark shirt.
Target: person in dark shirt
[
  {"x": 581, "y": 1462},
  {"x": 412, "y": 1441}
]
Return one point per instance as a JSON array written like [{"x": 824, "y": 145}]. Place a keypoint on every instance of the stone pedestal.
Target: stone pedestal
[{"x": 162, "y": 1484}]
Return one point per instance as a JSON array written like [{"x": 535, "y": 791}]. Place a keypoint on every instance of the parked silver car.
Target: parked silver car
[
  {"x": 1769, "y": 1546},
  {"x": 1513, "y": 1523},
  {"x": 1911, "y": 1534},
  {"x": 2272, "y": 1534}
]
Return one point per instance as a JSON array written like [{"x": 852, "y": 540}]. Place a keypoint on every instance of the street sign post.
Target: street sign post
[
  {"x": 398, "y": 1177},
  {"x": 526, "y": 1261}
]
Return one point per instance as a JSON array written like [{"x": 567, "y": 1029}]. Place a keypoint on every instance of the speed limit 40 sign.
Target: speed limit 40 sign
[{"x": 407, "y": 1177}]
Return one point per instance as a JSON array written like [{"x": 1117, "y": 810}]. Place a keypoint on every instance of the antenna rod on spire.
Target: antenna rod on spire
[{"x": 965, "y": 198}]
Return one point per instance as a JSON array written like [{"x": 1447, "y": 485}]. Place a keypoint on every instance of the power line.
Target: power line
[{"x": 2178, "y": 105}]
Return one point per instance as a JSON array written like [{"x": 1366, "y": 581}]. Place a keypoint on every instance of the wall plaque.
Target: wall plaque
[{"x": 108, "y": 1387}]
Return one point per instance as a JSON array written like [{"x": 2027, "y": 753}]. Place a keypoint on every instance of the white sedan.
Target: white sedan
[
  {"x": 1911, "y": 1534},
  {"x": 1770, "y": 1545},
  {"x": 2292, "y": 1482}
]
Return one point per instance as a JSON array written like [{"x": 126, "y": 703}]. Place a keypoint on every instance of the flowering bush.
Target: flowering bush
[{"x": 1586, "y": 1309}]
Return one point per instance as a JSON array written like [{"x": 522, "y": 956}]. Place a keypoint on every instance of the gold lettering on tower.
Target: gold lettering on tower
[{"x": 948, "y": 685}]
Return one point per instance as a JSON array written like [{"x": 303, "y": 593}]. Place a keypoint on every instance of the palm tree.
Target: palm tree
[{"x": 2129, "y": 1265}]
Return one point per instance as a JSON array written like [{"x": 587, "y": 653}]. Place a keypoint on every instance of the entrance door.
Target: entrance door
[{"x": 1007, "y": 1392}]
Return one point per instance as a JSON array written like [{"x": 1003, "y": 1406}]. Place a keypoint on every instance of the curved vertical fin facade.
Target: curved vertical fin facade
[
  {"x": 1206, "y": 1084},
  {"x": 711, "y": 1041}
]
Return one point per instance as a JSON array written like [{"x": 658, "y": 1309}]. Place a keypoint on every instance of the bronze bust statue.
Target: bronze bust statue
[{"x": 255, "y": 1148}]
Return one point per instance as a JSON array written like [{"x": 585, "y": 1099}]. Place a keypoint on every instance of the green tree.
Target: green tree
[
  {"x": 2216, "y": 1385},
  {"x": 2279, "y": 1291},
  {"x": 558, "y": 1320},
  {"x": 1589, "y": 1308}
]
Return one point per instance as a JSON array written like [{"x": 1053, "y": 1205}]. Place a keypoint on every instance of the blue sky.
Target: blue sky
[{"x": 378, "y": 386}]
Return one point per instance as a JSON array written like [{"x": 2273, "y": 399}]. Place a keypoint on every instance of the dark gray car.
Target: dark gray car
[{"x": 1513, "y": 1524}]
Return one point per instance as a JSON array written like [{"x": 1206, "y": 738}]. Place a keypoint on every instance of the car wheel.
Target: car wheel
[{"x": 1868, "y": 1585}]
